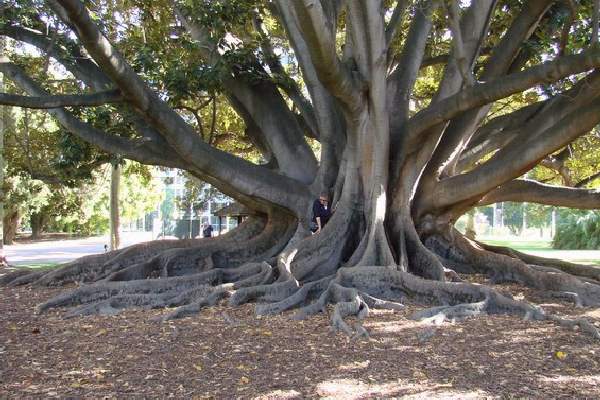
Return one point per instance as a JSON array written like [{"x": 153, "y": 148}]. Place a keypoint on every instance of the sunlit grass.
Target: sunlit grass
[
  {"x": 39, "y": 266},
  {"x": 522, "y": 245}
]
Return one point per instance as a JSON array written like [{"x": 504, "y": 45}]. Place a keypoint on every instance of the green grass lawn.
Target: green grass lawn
[
  {"x": 39, "y": 266},
  {"x": 543, "y": 248},
  {"x": 522, "y": 245}
]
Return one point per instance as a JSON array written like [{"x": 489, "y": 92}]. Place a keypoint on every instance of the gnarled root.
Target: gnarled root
[
  {"x": 460, "y": 300},
  {"x": 503, "y": 268},
  {"x": 111, "y": 297},
  {"x": 146, "y": 257},
  {"x": 579, "y": 270}
]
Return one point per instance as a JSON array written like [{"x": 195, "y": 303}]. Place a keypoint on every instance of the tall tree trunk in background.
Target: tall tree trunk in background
[
  {"x": 10, "y": 223},
  {"x": 2, "y": 194},
  {"x": 115, "y": 179},
  {"x": 470, "y": 228},
  {"x": 37, "y": 221}
]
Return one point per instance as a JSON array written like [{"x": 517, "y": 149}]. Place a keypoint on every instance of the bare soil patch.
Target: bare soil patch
[{"x": 227, "y": 352}]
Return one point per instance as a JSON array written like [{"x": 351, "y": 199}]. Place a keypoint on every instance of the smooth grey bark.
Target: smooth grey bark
[
  {"x": 522, "y": 190},
  {"x": 115, "y": 183},
  {"x": 263, "y": 104},
  {"x": 83, "y": 100},
  {"x": 516, "y": 158}
]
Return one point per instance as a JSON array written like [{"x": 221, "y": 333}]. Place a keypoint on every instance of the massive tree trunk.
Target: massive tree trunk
[{"x": 399, "y": 179}]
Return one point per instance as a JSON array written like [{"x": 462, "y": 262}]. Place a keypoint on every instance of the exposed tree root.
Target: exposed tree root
[
  {"x": 353, "y": 291},
  {"x": 502, "y": 268},
  {"x": 144, "y": 259},
  {"x": 586, "y": 271},
  {"x": 306, "y": 292},
  {"x": 109, "y": 297},
  {"x": 22, "y": 276},
  {"x": 320, "y": 255},
  {"x": 190, "y": 279},
  {"x": 460, "y": 299}
]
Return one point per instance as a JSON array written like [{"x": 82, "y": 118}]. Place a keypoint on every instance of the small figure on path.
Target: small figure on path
[
  {"x": 207, "y": 230},
  {"x": 321, "y": 213}
]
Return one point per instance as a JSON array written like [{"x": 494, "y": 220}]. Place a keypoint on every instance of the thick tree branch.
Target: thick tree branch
[
  {"x": 473, "y": 26},
  {"x": 531, "y": 120},
  {"x": 235, "y": 176},
  {"x": 328, "y": 115},
  {"x": 522, "y": 190},
  {"x": 401, "y": 82},
  {"x": 516, "y": 158},
  {"x": 289, "y": 86},
  {"x": 82, "y": 67},
  {"x": 458, "y": 133},
  {"x": 318, "y": 30},
  {"x": 263, "y": 104},
  {"x": 460, "y": 130},
  {"x": 505, "y": 53},
  {"x": 458, "y": 48},
  {"x": 57, "y": 101},
  {"x": 139, "y": 151},
  {"x": 485, "y": 93},
  {"x": 496, "y": 134}
]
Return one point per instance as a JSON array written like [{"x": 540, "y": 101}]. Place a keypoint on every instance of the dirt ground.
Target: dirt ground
[{"x": 228, "y": 353}]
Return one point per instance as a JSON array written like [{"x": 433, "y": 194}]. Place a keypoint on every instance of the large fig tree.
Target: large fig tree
[{"x": 409, "y": 102}]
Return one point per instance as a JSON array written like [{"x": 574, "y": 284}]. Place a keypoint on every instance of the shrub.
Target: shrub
[{"x": 578, "y": 230}]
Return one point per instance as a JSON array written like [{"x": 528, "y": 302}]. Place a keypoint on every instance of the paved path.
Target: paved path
[{"x": 60, "y": 251}]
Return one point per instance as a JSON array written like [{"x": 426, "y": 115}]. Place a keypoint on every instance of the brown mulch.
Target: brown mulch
[{"x": 228, "y": 353}]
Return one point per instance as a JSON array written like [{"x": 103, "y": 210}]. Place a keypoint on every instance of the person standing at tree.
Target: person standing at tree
[{"x": 321, "y": 213}]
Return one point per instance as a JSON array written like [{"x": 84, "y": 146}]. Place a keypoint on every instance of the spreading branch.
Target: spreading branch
[
  {"x": 523, "y": 190},
  {"x": 516, "y": 158},
  {"x": 318, "y": 30},
  {"x": 140, "y": 151},
  {"x": 487, "y": 92},
  {"x": 57, "y": 101},
  {"x": 262, "y": 105},
  {"x": 401, "y": 82},
  {"x": 458, "y": 47},
  {"x": 289, "y": 86}
]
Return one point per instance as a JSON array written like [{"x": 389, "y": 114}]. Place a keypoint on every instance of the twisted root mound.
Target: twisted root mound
[
  {"x": 227, "y": 352},
  {"x": 303, "y": 273}
]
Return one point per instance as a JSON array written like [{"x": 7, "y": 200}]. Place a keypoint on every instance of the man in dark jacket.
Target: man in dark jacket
[
  {"x": 321, "y": 213},
  {"x": 207, "y": 231}
]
